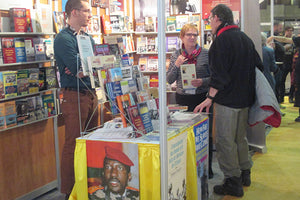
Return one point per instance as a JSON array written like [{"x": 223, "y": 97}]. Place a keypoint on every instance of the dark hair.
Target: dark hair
[
  {"x": 288, "y": 27},
  {"x": 224, "y": 13},
  {"x": 71, "y": 5}
]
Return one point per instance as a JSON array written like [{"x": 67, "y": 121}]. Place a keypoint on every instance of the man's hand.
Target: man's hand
[
  {"x": 197, "y": 82},
  {"x": 80, "y": 75},
  {"x": 205, "y": 104},
  {"x": 180, "y": 60}
]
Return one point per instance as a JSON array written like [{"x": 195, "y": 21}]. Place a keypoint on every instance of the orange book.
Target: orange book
[
  {"x": 123, "y": 103},
  {"x": 105, "y": 21}
]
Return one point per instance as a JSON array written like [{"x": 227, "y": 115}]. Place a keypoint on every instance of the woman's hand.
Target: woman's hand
[
  {"x": 197, "y": 82},
  {"x": 180, "y": 60}
]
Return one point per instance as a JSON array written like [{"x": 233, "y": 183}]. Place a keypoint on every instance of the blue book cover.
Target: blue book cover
[
  {"x": 20, "y": 49},
  {"x": 144, "y": 112},
  {"x": 132, "y": 85},
  {"x": 114, "y": 90},
  {"x": 39, "y": 49},
  {"x": 115, "y": 74}
]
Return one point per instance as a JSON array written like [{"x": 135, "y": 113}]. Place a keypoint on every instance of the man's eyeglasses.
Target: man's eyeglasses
[
  {"x": 85, "y": 10},
  {"x": 191, "y": 34},
  {"x": 210, "y": 18}
]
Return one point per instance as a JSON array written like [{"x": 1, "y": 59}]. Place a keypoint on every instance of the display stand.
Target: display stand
[{"x": 187, "y": 144}]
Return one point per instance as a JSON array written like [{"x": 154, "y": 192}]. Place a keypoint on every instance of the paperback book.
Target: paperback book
[
  {"x": 144, "y": 112},
  {"x": 10, "y": 83},
  {"x": 20, "y": 49},
  {"x": 18, "y": 19},
  {"x": 85, "y": 50},
  {"x": 188, "y": 73},
  {"x": 8, "y": 50},
  {"x": 22, "y": 82},
  {"x": 136, "y": 120},
  {"x": 39, "y": 49}
]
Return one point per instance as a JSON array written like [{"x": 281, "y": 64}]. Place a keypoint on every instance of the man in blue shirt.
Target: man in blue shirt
[{"x": 66, "y": 54}]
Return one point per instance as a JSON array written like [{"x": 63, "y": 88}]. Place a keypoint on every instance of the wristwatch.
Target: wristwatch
[{"x": 210, "y": 97}]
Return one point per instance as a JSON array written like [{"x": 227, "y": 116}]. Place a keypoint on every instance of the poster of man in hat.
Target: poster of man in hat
[{"x": 113, "y": 171}]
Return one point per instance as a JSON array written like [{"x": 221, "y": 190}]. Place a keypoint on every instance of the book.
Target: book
[
  {"x": 44, "y": 11},
  {"x": 10, "y": 113},
  {"x": 100, "y": 3},
  {"x": 10, "y": 83},
  {"x": 153, "y": 82},
  {"x": 31, "y": 102},
  {"x": 2, "y": 89},
  {"x": 126, "y": 61},
  {"x": 181, "y": 20},
  {"x": 172, "y": 43},
  {"x": 8, "y": 50},
  {"x": 106, "y": 26},
  {"x": 35, "y": 18},
  {"x": 101, "y": 96},
  {"x": 28, "y": 20},
  {"x": 59, "y": 20},
  {"x": 1, "y": 53},
  {"x": 33, "y": 80},
  {"x": 101, "y": 49},
  {"x": 49, "y": 51},
  {"x": 49, "y": 105},
  {"x": 20, "y": 49},
  {"x": 117, "y": 23},
  {"x": 143, "y": 62},
  {"x": 39, "y": 112},
  {"x": 136, "y": 120},
  {"x": 22, "y": 82},
  {"x": 29, "y": 49},
  {"x": 50, "y": 78},
  {"x": 123, "y": 103},
  {"x": 150, "y": 24},
  {"x": 85, "y": 50},
  {"x": 195, "y": 19},
  {"x": 39, "y": 49},
  {"x": 171, "y": 23},
  {"x": 115, "y": 39},
  {"x": 140, "y": 25},
  {"x": 21, "y": 111},
  {"x": 115, "y": 74},
  {"x": 114, "y": 49},
  {"x": 126, "y": 73},
  {"x": 42, "y": 78},
  {"x": 113, "y": 90},
  {"x": 124, "y": 86},
  {"x": 116, "y": 7},
  {"x": 152, "y": 64},
  {"x": 144, "y": 112},
  {"x": 5, "y": 24},
  {"x": 153, "y": 112},
  {"x": 136, "y": 73},
  {"x": 2, "y": 116},
  {"x": 151, "y": 46},
  {"x": 132, "y": 85},
  {"x": 141, "y": 44},
  {"x": 18, "y": 22},
  {"x": 142, "y": 96},
  {"x": 96, "y": 27},
  {"x": 188, "y": 73}
]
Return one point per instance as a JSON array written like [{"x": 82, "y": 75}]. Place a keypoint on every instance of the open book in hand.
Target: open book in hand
[{"x": 188, "y": 73}]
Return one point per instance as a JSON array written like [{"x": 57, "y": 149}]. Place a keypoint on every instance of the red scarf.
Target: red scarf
[
  {"x": 192, "y": 58},
  {"x": 226, "y": 28}
]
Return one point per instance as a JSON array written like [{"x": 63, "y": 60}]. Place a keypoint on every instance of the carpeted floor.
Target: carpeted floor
[{"x": 275, "y": 174}]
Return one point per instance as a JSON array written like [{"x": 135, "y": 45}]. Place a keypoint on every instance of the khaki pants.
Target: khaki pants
[{"x": 230, "y": 130}]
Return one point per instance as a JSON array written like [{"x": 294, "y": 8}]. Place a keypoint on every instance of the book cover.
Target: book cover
[
  {"x": 42, "y": 78},
  {"x": 172, "y": 43},
  {"x": 181, "y": 20},
  {"x": 150, "y": 23},
  {"x": 2, "y": 89},
  {"x": 35, "y": 18},
  {"x": 141, "y": 44},
  {"x": 31, "y": 102},
  {"x": 195, "y": 19},
  {"x": 115, "y": 74},
  {"x": 96, "y": 28},
  {"x": 152, "y": 64},
  {"x": 136, "y": 120},
  {"x": 171, "y": 23},
  {"x": 20, "y": 49},
  {"x": 188, "y": 73},
  {"x": 33, "y": 80},
  {"x": 144, "y": 112},
  {"x": 132, "y": 85},
  {"x": 22, "y": 81},
  {"x": 39, "y": 49},
  {"x": 143, "y": 62},
  {"x": 114, "y": 90},
  {"x": 126, "y": 61},
  {"x": 8, "y": 50},
  {"x": 153, "y": 82},
  {"x": 151, "y": 46},
  {"x": 100, "y": 3},
  {"x": 49, "y": 105},
  {"x": 140, "y": 25},
  {"x": 44, "y": 12},
  {"x": 101, "y": 49},
  {"x": 10, "y": 83},
  {"x": 10, "y": 120},
  {"x": 49, "y": 51},
  {"x": 1, "y": 53},
  {"x": 18, "y": 19},
  {"x": 123, "y": 103},
  {"x": 142, "y": 96},
  {"x": 2, "y": 116},
  {"x": 22, "y": 111},
  {"x": 117, "y": 23},
  {"x": 5, "y": 24},
  {"x": 116, "y": 7},
  {"x": 126, "y": 73},
  {"x": 50, "y": 79},
  {"x": 124, "y": 86},
  {"x": 114, "y": 49},
  {"x": 136, "y": 73},
  {"x": 115, "y": 39},
  {"x": 9, "y": 107},
  {"x": 153, "y": 112},
  {"x": 85, "y": 50},
  {"x": 28, "y": 20},
  {"x": 29, "y": 49},
  {"x": 101, "y": 96},
  {"x": 40, "y": 112},
  {"x": 59, "y": 20},
  {"x": 106, "y": 26}
]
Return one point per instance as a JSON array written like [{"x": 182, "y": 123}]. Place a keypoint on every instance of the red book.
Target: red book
[
  {"x": 153, "y": 80},
  {"x": 28, "y": 20},
  {"x": 8, "y": 50},
  {"x": 105, "y": 21},
  {"x": 136, "y": 119},
  {"x": 18, "y": 19}
]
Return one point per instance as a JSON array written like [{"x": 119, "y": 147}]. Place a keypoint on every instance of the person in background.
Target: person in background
[
  {"x": 296, "y": 41},
  {"x": 191, "y": 53},
  {"x": 268, "y": 61},
  {"x": 232, "y": 61},
  {"x": 66, "y": 51}
]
